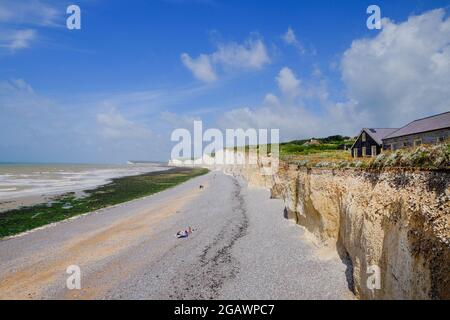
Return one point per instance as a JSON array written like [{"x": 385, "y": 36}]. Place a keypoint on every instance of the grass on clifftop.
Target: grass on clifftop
[
  {"x": 334, "y": 153},
  {"x": 424, "y": 157},
  {"x": 331, "y": 144},
  {"x": 68, "y": 205},
  {"x": 315, "y": 145},
  {"x": 329, "y": 153},
  {"x": 427, "y": 157}
]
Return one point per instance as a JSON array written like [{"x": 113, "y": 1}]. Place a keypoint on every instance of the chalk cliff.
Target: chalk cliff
[{"x": 396, "y": 220}]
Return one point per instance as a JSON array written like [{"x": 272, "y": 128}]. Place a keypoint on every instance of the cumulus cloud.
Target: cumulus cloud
[
  {"x": 200, "y": 67},
  {"x": 401, "y": 74},
  {"x": 290, "y": 112},
  {"x": 250, "y": 55},
  {"x": 296, "y": 121},
  {"x": 271, "y": 100},
  {"x": 293, "y": 122},
  {"x": 288, "y": 82},
  {"x": 404, "y": 72}
]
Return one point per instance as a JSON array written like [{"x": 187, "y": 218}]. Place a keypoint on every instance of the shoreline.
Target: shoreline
[
  {"x": 64, "y": 206},
  {"x": 130, "y": 251},
  {"x": 30, "y": 184}
]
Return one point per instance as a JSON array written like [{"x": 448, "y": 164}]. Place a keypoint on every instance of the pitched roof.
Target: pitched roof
[
  {"x": 436, "y": 122},
  {"x": 378, "y": 134}
]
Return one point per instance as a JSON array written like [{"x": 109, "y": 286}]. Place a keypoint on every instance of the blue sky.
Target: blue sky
[{"x": 116, "y": 89}]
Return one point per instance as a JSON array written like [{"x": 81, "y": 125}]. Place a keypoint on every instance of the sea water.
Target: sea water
[{"x": 25, "y": 180}]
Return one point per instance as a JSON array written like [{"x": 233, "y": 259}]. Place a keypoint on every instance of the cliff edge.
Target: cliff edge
[{"x": 397, "y": 220}]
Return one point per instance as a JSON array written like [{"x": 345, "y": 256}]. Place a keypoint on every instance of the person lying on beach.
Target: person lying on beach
[
  {"x": 185, "y": 233},
  {"x": 182, "y": 234}
]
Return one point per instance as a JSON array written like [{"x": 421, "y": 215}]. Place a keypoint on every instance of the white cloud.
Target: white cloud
[
  {"x": 200, "y": 67},
  {"x": 17, "y": 39},
  {"x": 291, "y": 39},
  {"x": 292, "y": 116},
  {"x": 293, "y": 122},
  {"x": 101, "y": 127},
  {"x": 19, "y": 21},
  {"x": 178, "y": 121},
  {"x": 15, "y": 86},
  {"x": 288, "y": 82},
  {"x": 113, "y": 125},
  {"x": 399, "y": 75},
  {"x": 404, "y": 72},
  {"x": 28, "y": 119},
  {"x": 251, "y": 55},
  {"x": 271, "y": 100},
  {"x": 33, "y": 12},
  {"x": 296, "y": 121}
]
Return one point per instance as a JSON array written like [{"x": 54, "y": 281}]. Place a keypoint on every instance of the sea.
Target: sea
[{"x": 18, "y": 180}]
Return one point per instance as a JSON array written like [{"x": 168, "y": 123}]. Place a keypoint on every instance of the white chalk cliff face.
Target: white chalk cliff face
[
  {"x": 221, "y": 157},
  {"x": 396, "y": 220},
  {"x": 227, "y": 158}
]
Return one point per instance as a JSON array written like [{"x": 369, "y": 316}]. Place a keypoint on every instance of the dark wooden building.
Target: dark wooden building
[
  {"x": 370, "y": 142},
  {"x": 430, "y": 130}
]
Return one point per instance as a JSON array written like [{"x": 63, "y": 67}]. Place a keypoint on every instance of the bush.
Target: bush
[
  {"x": 427, "y": 157},
  {"x": 323, "y": 164},
  {"x": 379, "y": 161}
]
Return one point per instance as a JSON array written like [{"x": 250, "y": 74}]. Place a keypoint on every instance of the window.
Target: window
[
  {"x": 417, "y": 142},
  {"x": 364, "y": 151},
  {"x": 363, "y": 137},
  {"x": 440, "y": 139},
  {"x": 405, "y": 144},
  {"x": 374, "y": 151},
  {"x": 355, "y": 153}
]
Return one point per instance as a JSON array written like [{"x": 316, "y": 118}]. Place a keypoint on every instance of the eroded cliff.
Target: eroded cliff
[{"x": 396, "y": 220}]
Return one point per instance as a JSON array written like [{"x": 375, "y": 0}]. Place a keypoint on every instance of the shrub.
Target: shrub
[{"x": 429, "y": 157}]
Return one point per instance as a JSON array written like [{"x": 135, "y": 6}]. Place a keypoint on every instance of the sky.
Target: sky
[{"x": 137, "y": 70}]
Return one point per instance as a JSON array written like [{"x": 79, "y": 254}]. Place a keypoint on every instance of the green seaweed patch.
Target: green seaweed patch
[{"x": 117, "y": 191}]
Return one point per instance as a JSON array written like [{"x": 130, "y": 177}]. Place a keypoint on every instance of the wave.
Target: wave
[{"x": 16, "y": 182}]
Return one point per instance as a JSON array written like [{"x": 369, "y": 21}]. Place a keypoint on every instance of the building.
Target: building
[
  {"x": 312, "y": 142},
  {"x": 430, "y": 130},
  {"x": 370, "y": 142}
]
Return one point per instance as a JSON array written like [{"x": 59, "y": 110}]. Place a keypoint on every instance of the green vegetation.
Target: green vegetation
[
  {"x": 68, "y": 205},
  {"x": 424, "y": 157},
  {"x": 329, "y": 153},
  {"x": 307, "y": 146},
  {"x": 317, "y": 151},
  {"x": 313, "y": 146}
]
